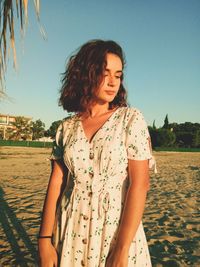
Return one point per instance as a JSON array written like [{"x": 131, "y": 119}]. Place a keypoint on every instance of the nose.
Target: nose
[{"x": 111, "y": 81}]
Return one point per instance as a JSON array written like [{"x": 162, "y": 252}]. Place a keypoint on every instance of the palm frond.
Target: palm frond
[
  {"x": 37, "y": 7},
  {"x": 25, "y": 3},
  {"x": 37, "y": 10},
  {"x": 7, "y": 31}
]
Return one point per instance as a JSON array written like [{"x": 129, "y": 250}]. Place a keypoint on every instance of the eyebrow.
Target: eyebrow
[{"x": 118, "y": 71}]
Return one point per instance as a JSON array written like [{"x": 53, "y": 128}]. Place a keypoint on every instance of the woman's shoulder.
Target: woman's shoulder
[
  {"x": 131, "y": 112},
  {"x": 67, "y": 121},
  {"x": 65, "y": 125},
  {"x": 70, "y": 118}
]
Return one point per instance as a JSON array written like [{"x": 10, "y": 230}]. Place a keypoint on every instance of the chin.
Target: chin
[
  {"x": 106, "y": 99},
  {"x": 109, "y": 100}
]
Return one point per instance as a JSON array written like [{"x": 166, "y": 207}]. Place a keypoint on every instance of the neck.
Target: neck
[{"x": 99, "y": 109}]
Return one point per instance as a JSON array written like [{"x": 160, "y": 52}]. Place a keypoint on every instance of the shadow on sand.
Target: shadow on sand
[{"x": 15, "y": 233}]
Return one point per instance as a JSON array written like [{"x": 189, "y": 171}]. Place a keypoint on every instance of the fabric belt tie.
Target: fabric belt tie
[
  {"x": 104, "y": 203},
  {"x": 152, "y": 164}
]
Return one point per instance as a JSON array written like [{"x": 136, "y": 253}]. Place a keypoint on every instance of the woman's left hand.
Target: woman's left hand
[{"x": 117, "y": 258}]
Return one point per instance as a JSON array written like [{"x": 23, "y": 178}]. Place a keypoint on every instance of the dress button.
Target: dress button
[
  {"x": 91, "y": 174},
  {"x": 91, "y": 155},
  {"x": 82, "y": 263},
  {"x": 89, "y": 194},
  {"x": 85, "y": 217},
  {"x": 84, "y": 241}
]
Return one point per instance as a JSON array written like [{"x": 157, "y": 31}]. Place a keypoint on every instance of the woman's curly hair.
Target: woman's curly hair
[{"x": 84, "y": 74}]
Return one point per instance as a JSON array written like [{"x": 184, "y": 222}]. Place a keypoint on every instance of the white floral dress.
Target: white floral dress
[{"x": 91, "y": 205}]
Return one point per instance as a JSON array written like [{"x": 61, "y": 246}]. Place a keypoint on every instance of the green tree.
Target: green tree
[
  {"x": 196, "y": 139},
  {"x": 184, "y": 139},
  {"x": 153, "y": 133},
  {"x": 165, "y": 138},
  {"x": 154, "y": 124},
  {"x": 21, "y": 129},
  {"x": 166, "y": 122},
  {"x": 38, "y": 129},
  {"x": 52, "y": 129},
  {"x": 187, "y": 134}
]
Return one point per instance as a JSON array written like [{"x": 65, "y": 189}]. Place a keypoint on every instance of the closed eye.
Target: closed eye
[{"x": 117, "y": 75}]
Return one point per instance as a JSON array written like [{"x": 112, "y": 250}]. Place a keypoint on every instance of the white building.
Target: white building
[{"x": 6, "y": 122}]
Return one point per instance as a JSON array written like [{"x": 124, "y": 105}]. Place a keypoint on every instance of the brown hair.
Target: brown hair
[{"x": 84, "y": 74}]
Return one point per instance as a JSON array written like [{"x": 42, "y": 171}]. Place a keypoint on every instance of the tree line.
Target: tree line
[
  {"x": 24, "y": 129},
  {"x": 186, "y": 135}
]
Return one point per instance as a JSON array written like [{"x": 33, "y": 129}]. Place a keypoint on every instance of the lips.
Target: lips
[{"x": 109, "y": 92}]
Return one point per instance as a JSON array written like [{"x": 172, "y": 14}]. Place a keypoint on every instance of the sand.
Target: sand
[{"x": 171, "y": 219}]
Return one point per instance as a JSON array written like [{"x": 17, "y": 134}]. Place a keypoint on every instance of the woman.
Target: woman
[{"x": 100, "y": 169}]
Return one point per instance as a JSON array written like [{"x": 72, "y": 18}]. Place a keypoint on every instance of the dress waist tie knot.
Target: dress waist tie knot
[{"x": 104, "y": 203}]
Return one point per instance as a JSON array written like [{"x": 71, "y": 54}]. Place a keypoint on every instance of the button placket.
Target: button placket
[
  {"x": 91, "y": 157},
  {"x": 85, "y": 217},
  {"x": 84, "y": 241},
  {"x": 91, "y": 173},
  {"x": 91, "y": 153},
  {"x": 89, "y": 194},
  {"x": 94, "y": 174},
  {"x": 91, "y": 169},
  {"x": 82, "y": 263}
]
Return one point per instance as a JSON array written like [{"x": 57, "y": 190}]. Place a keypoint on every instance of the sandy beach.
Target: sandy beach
[{"x": 171, "y": 219}]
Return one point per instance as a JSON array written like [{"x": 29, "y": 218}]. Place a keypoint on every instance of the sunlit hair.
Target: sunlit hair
[{"x": 84, "y": 74}]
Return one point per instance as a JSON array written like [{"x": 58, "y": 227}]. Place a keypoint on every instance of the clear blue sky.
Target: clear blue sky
[{"x": 161, "y": 40}]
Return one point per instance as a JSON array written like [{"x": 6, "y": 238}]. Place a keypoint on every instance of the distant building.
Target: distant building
[
  {"x": 6, "y": 122},
  {"x": 45, "y": 139}
]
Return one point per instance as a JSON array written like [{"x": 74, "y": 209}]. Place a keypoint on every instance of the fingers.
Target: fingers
[{"x": 56, "y": 261}]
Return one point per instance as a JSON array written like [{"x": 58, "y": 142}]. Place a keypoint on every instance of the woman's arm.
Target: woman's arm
[
  {"x": 56, "y": 184},
  {"x": 135, "y": 202},
  {"x": 132, "y": 211}
]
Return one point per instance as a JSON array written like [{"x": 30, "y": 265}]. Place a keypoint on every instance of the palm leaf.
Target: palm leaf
[
  {"x": 7, "y": 31},
  {"x": 37, "y": 10}
]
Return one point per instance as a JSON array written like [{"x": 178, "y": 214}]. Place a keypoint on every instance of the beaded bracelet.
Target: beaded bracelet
[{"x": 44, "y": 236}]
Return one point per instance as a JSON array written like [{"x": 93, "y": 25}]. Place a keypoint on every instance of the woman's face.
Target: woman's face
[{"x": 111, "y": 81}]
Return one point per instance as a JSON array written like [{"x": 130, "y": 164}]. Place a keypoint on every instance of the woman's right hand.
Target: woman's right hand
[{"x": 47, "y": 253}]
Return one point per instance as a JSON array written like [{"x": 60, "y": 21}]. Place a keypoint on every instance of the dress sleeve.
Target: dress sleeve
[
  {"x": 57, "y": 150},
  {"x": 138, "y": 139}
]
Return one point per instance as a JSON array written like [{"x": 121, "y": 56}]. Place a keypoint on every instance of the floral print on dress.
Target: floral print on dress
[{"x": 91, "y": 206}]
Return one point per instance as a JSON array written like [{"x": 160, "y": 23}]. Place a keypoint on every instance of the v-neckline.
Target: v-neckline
[{"x": 99, "y": 129}]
